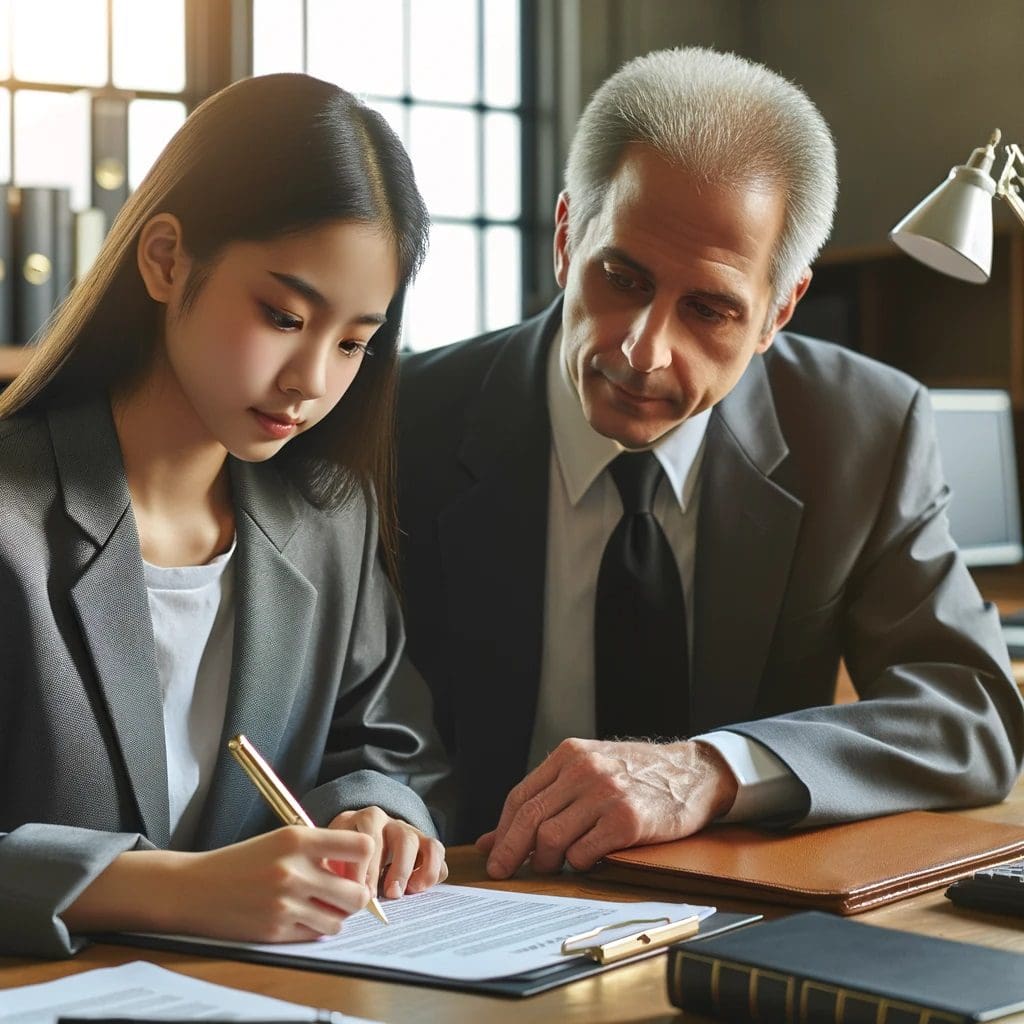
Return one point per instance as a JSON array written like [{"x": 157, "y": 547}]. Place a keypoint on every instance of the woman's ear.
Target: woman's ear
[{"x": 163, "y": 262}]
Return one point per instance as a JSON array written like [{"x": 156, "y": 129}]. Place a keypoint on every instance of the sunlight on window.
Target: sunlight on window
[
  {"x": 501, "y": 53},
  {"x": 443, "y": 148},
  {"x": 444, "y": 57},
  {"x": 51, "y": 144},
  {"x": 74, "y": 55},
  {"x": 149, "y": 45},
  {"x": 5, "y": 39},
  {"x": 503, "y": 290},
  {"x": 446, "y": 77},
  {"x": 443, "y": 305},
  {"x": 354, "y": 48},
  {"x": 151, "y": 123},
  {"x": 5, "y": 135},
  {"x": 276, "y": 36}
]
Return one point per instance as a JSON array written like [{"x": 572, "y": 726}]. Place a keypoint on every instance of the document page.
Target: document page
[
  {"x": 468, "y": 934},
  {"x": 142, "y": 991}
]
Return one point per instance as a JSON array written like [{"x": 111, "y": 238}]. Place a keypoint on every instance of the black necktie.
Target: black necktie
[{"x": 640, "y": 654}]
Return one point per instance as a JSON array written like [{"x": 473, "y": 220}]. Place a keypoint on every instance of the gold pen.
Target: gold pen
[{"x": 274, "y": 791}]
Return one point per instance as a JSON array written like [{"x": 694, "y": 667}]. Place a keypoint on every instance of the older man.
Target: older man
[{"x": 642, "y": 529}]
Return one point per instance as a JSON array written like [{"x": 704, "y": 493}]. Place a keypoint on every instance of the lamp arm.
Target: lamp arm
[{"x": 1011, "y": 179}]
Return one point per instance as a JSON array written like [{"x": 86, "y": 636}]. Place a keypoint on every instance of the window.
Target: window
[
  {"x": 90, "y": 91},
  {"x": 447, "y": 79}
]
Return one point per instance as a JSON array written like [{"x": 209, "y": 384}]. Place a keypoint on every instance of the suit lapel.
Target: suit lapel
[
  {"x": 274, "y": 605},
  {"x": 111, "y": 603},
  {"x": 747, "y": 531},
  {"x": 493, "y": 547}
]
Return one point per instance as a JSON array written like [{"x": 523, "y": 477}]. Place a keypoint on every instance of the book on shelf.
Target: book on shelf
[
  {"x": 109, "y": 155},
  {"x": 45, "y": 247},
  {"x": 6, "y": 270},
  {"x": 63, "y": 245},
  {"x": 819, "y": 969},
  {"x": 35, "y": 285}
]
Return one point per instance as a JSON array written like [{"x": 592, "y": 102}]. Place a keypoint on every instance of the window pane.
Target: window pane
[
  {"x": 443, "y": 50},
  {"x": 501, "y": 180},
  {"x": 151, "y": 123},
  {"x": 276, "y": 36},
  {"x": 503, "y": 277},
  {"x": 444, "y": 303},
  {"x": 149, "y": 44},
  {"x": 5, "y": 135},
  {"x": 51, "y": 142},
  {"x": 501, "y": 53},
  {"x": 394, "y": 114},
  {"x": 444, "y": 155},
  {"x": 5, "y": 39},
  {"x": 61, "y": 41},
  {"x": 357, "y": 45}
]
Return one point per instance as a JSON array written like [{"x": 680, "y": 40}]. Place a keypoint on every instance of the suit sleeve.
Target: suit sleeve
[
  {"x": 940, "y": 721},
  {"x": 382, "y": 747},
  {"x": 43, "y": 870}
]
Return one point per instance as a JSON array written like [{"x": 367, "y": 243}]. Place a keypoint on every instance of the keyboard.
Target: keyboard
[{"x": 999, "y": 889}]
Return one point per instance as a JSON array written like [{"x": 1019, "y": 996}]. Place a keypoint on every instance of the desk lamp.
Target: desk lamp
[{"x": 951, "y": 230}]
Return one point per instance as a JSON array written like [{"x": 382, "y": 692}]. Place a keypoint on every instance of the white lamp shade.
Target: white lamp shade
[{"x": 951, "y": 230}]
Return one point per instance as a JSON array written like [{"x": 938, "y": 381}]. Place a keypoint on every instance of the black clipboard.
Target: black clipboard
[{"x": 528, "y": 983}]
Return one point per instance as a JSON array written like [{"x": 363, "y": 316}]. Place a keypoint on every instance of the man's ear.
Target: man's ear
[
  {"x": 561, "y": 243},
  {"x": 783, "y": 315},
  {"x": 161, "y": 257}
]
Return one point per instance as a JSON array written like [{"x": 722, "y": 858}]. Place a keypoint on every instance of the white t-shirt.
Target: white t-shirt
[{"x": 193, "y": 610}]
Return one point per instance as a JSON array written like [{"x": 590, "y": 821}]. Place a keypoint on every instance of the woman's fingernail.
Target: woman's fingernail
[{"x": 395, "y": 889}]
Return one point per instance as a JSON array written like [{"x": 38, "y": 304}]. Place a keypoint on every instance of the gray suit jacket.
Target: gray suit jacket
[
  {"x": 82, "y": 758},
  {"x": 822, "y": 533}
]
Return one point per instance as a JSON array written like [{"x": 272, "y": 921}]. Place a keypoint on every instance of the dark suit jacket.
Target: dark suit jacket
[
  {"x": 82, "y": 757},
  {"x": 822, "y": 533}
]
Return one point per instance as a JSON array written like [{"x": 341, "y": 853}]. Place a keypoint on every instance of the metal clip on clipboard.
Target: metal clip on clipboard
[{"x": 630, "y": 945}]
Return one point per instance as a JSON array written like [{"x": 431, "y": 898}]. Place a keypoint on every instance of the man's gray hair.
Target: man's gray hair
[{"x": 723, "y": 120}]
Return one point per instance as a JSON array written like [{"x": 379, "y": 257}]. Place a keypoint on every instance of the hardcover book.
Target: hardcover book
[{"x": 813, "y": 967}]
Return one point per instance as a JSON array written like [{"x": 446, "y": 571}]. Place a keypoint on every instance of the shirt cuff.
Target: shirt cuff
[{"x": 765, "y": 787}]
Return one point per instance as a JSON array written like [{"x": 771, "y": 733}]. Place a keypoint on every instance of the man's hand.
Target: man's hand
[{"x": 590, "y": 797}]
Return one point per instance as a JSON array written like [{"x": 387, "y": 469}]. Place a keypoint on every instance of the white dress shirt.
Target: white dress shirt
[
  {"x": 193, "y": 612},
  {"x": 583, "y": 510}
]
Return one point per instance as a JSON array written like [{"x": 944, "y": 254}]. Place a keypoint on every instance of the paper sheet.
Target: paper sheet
[
  {"x": 144, "y": 991},
  {"x": 470, "y": 934}
]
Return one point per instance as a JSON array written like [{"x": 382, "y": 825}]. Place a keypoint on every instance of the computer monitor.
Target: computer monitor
[{"x": 975, "y": 433}]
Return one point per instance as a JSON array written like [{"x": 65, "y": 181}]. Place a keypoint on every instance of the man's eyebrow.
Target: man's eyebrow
[
  {"x": 609, "y": 252},
  {"x": 307, "y": 291},
  {"x": 735, "y": 302}
]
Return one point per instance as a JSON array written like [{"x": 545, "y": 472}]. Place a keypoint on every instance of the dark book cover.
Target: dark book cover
[
  {"x": 63, "y": 244},
  {"x": 815, "y": 967},
  {"x": 34, "y": 283},
  {"x": 109, "y": 155},
  {"x": 6, "y": 270}
]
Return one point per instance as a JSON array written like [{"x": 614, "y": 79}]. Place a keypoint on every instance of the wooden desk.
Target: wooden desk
[{"x": 635, "y": 992}]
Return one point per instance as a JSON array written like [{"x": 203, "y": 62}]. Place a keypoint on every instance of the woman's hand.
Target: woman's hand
[
  {"x": 276, "y": 887},
  {"x": 413, "y": 861}
]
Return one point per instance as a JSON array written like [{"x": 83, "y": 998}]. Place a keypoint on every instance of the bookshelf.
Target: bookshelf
[{"x": 944, "y": 332}]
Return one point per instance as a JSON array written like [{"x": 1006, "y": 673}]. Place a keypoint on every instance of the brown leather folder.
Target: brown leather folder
[{"x": 843, "y": 868}]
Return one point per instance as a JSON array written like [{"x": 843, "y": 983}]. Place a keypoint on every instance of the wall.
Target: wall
[{"x": 909, "y": 87}]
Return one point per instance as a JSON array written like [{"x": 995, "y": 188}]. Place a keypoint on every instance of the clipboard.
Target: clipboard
[{"x": 526, "y": 983}]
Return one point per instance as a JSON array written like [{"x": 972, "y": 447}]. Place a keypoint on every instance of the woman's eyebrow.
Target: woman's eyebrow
[{"x": 308, "y": 291}]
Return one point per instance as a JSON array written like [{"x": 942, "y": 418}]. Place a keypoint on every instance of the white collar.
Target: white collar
[{"x": 583, "y": 453}]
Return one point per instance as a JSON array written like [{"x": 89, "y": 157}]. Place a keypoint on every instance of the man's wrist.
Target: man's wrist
[{"x": 721, "y": 778}]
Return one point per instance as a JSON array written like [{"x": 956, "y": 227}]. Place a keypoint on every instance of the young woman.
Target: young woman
[{"x": 194, "y": 474}]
